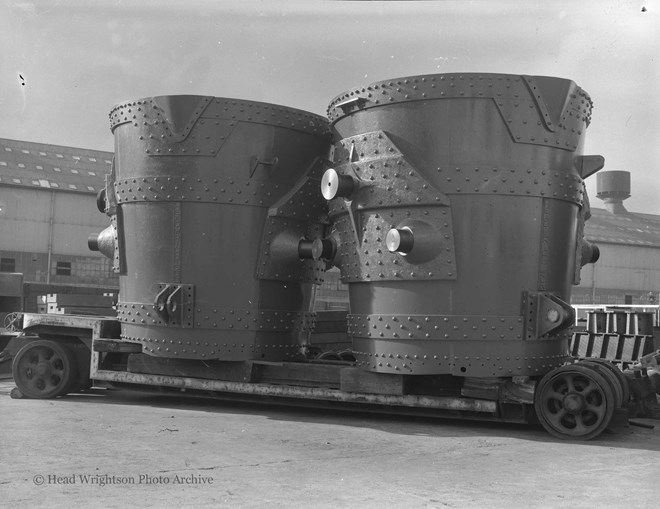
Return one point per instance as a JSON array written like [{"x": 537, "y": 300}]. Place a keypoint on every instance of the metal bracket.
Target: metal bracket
[
  {"x": 588, "y": 165},
  {"x": 255, "y": 162},
  {"x": 351, "y": 104},
  {"x": 545, "y": 313},
  {"x": 386, "y": 188},
  {"x": 300, "y": 215},
  {"x": 175, "y": 304}
]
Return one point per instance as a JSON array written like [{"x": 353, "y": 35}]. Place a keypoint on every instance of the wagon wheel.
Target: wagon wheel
[
  {"x": 574, "y": 402},
  {"x": 610, "y": 377},
  {"x": 623, "y": 381},
  {"x": 44, "y": 369},
  {"x": 12, "y": 322}
]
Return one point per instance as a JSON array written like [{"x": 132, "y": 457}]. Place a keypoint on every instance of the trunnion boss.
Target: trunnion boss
[{"x": 453, "y": 205}]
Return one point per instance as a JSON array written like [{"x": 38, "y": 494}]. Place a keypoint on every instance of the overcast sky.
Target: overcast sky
[{"x": 65, "y": 64}]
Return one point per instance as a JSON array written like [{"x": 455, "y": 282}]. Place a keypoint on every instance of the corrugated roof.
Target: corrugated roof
[
  {"x": 628, "y": 228},
  {"x": 27, "y": 164}
]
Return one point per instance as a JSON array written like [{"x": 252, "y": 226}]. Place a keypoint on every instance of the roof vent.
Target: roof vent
[{"x": 613, "y": 187}]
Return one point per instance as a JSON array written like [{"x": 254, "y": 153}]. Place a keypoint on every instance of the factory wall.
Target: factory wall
[
  {"x": 43, "y": 234},
  {"x": 624, "y": 274}
]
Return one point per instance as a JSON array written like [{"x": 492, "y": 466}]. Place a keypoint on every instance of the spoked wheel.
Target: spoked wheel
[
  {"x": 623, "y": 381},
  {"x": 574, "y": 402},
  {"x": 44, "y": 369},
  {"x": 610, "y": 377}
]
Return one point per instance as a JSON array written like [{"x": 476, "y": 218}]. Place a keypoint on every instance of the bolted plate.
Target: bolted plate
[
  {"x": 216, "y": 189},
  {"x": 299, "y": 215},
  {"x": 208, "y": 125},
  {"x": 525, "y": 102},
  {"x": 534, "y": 182},
  {"x": 390, "y": 193},
  {"x": 475, "y": 358},
  {"x": 434, "y": 327}
]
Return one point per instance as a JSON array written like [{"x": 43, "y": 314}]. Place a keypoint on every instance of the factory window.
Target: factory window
[
  {"x": 63, "y": 269},
  {"x": 77, "y": 158},
  {"x": 60, "y": 156},
  {"x": 21, "y": 165},
  {"x": 16, "y": 181},
  {"x": 25, "y": 151},
  {"x": 43, "y": 154},
  {"x": 109, "y": 162},
  {"x": 7, "y": 264},
  {"x": 40, "y": 167},
  {"x": 7, "y": 149},
  {"x": 92, "y": 159},
  {"x": 628, "y": 299},
  {"x": 72, "y": 186},
  {"x": 74, "y": 171},
  {"x": 56, "y": 169},
  {"x": 90, "y": 188},
  {"x": 36, "y": 183},
  {"x": 2, "y": 163},
  {"x": 91, "y": 174},
  {"x": 54, "y": 184}
]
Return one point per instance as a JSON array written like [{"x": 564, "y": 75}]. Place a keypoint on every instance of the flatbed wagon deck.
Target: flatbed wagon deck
[{"x": 308, "y": 381}]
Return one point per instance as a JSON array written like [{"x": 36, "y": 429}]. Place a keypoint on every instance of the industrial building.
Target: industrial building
[
  {"x": 47, "y": 211},
  {"x": 628, "y": 270}
]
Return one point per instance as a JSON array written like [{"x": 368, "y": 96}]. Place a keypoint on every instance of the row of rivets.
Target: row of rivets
[
  {"x": 461, "y": 365},
  {"x": 527, "y": 121},
  {"x": 393, "y": 186},
  {"x": 222, "y": 318},
  {"x": 224, "y": 109},
  {"x": 209, "y": 350},
  {"x": 224, "y": 190},
  {"x": 512, "y": 181},
  {"x": 435, "y": 326}
]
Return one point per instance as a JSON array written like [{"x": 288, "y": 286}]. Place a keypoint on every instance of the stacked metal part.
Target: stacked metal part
[
  {"x": 215, "y": 206},
  {"x": 457, "y": 204}
]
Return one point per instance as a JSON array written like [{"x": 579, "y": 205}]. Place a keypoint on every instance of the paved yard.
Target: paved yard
[{"x": 134, "y": 449}]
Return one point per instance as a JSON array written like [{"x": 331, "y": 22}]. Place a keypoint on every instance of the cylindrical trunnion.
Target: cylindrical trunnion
[
  {"x": 210, "y": 199},
  {"x": 457, "y": 206}
]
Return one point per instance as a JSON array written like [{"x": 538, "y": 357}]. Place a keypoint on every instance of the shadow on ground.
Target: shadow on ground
[{"x": 632, "y": 437}]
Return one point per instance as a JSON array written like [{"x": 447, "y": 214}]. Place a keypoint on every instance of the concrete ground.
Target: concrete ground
[{"x": 126, "y": 449}]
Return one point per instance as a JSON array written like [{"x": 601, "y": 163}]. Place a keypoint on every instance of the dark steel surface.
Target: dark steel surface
[
  {"x": 210, "y": 198},
  {"x": 457, "y": 201}
]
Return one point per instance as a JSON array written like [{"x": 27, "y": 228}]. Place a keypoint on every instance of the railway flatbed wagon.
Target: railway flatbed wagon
[
  {"x": 60, "y": 354},
  {"x": 453, "y": 205}
]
